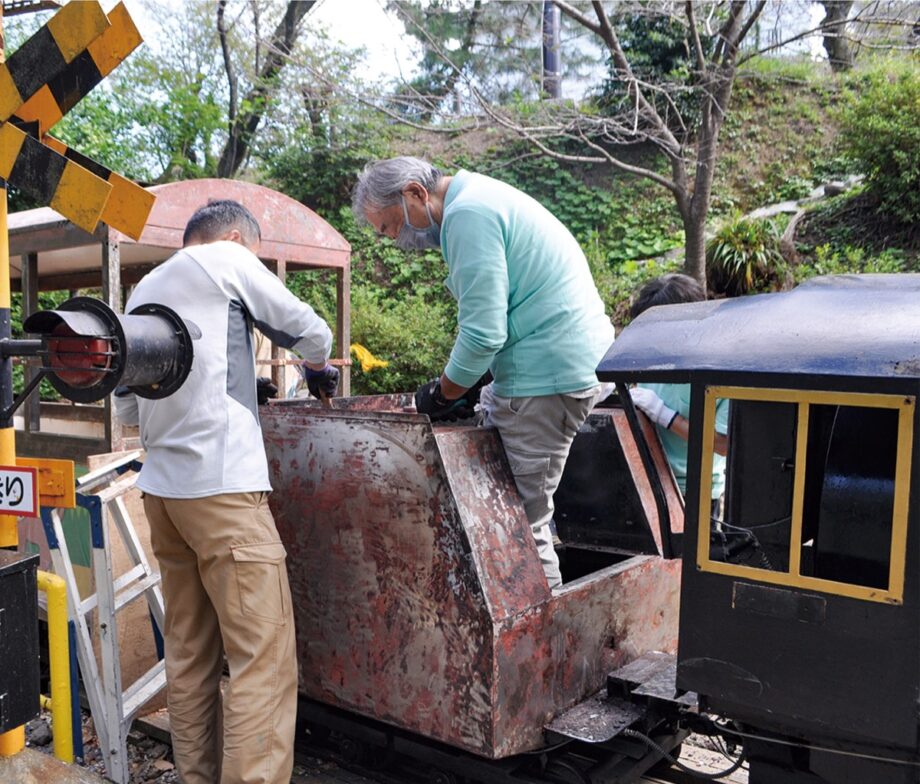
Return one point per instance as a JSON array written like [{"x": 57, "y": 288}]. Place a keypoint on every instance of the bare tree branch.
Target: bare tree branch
[
  {"x": 829, "y": 28},
  {"x": 228, "y": 62},
  {"x": 605, "y": 156},
  {"x": 695, "y": 33},
  {"x": 746, "y": 27},
  {"x": 243, "y": 127}
]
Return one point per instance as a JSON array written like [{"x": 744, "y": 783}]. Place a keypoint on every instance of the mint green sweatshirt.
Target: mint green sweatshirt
[{"x": 528, "y": 308}]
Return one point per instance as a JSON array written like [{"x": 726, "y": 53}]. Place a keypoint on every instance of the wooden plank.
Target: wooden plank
[
  {"x": 45, "y": 444},
  {"x": 61, "y": 235},
  {"x": 84, "y": 280},
  {"x": 343, "y": 326},
  {"x": 72, "y": 412}
]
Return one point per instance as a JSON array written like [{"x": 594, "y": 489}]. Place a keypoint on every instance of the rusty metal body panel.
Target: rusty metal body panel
[{"x": 418, "y": 593}]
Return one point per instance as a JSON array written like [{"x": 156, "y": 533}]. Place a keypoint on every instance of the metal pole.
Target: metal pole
[
  {"x": 14, "y": 741},
  {"x": 552, "y": 57},
  {"x": 59, "y": 653}
]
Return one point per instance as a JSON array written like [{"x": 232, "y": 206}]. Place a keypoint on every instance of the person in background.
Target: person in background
[
  {"x": 528, "y": 312},
  {"x": 668, "y": 405},
  {"x": 205, "y": 485}
]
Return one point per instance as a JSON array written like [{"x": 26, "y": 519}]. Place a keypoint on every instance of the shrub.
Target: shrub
[
  {"x": 881, "y": 133},
  {"x": 847, "y": 260},
  {"x": 412, "y": 333},
  {"x": 743, "y": 257}
]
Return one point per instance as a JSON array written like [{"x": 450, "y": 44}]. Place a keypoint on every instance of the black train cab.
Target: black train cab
[{"x": 800, "y": 597}]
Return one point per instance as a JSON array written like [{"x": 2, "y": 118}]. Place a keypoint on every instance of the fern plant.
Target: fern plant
[{"x": 743, "y": 257}]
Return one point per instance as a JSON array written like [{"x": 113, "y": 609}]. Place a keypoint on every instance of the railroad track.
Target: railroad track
[{"x": 325, "y": 766}]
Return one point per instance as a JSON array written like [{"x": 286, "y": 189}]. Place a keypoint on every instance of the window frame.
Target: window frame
[{"x": 903, "y": 404}]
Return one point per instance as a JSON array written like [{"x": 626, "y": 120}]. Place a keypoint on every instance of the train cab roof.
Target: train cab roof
[{"x": 844, "y": 326}]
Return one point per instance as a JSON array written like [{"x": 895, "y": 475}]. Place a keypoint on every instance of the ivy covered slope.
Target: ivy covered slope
[{"x": 791, "y": 129}]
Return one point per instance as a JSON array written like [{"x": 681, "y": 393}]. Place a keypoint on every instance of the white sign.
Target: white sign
[{"x": 19, "y": 491}]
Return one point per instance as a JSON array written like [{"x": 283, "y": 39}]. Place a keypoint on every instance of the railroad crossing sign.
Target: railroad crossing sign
[{"x": 43, "y": 80}]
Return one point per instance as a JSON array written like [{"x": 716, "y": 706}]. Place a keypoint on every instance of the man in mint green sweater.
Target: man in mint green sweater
[{"x": 528, "y": 311}]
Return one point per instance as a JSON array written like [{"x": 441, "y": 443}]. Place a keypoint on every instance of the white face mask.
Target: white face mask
[{"x": 411, "y": 238}]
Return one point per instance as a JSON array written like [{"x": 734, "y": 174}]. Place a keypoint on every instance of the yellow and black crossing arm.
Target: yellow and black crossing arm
[
  {"x": 39, "y": 84},
  {"x": 59, "y": 94},
  {"x": 48, "y": 53},
  {"x": 46, "y": 175},
  {"x": 128, "y": 205}
]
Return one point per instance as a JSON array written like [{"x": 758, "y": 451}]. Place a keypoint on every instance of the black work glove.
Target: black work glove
[
  {"x": 472, "y": 394},
  {"x": 430, "y": 400},
  {"x": 265, "y": 390},
  {"x": 325, "y": 381}
]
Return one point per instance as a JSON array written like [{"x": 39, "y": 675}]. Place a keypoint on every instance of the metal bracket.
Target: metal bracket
[{"x": 6, "y": 415}]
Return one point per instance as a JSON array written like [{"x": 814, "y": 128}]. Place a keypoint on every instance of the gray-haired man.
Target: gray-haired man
[{"x": 529, "y": 312}]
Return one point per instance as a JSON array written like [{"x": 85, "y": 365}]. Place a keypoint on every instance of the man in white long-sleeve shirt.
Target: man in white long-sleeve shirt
[{"x": 205, "y": 485}]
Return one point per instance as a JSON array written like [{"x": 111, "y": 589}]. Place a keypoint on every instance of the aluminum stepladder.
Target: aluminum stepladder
[{"x": 101, "y": 493}]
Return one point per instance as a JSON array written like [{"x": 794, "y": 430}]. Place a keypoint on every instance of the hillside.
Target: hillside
[{"x": 779, "y": 143}]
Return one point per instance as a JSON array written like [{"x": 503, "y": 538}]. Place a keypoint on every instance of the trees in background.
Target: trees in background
[
  {"x": 881, "y": 133},
  {"x": 496, "y": 47},
  {"x": 673, "y": 67},
  {"x": 245, "y": 112},
  {"x": 197, "y": 98}
]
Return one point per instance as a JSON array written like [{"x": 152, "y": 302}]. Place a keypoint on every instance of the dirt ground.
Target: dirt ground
[{"x": 152, "y": 763}]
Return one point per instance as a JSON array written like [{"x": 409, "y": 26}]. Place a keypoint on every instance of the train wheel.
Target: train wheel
[
  {"x": 379, "y": 758},
  {"x": 562, "y": 772},
  {"x": 443, "y": 777},
  {"x": 354, "y": 752}
]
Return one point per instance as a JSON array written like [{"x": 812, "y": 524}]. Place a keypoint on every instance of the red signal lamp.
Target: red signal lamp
[{"x": 89, "y": 349}]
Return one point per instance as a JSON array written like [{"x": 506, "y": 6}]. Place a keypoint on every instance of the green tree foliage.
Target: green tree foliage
[
  {"x": 177, "y": 105},
  {"x": 100, "y": 128},
  {"x": 659, "y": 51},
  {"x": 494, "y": 48},
  {"x": 316, "y": 149},
  {"x": 881, "y": 133}
]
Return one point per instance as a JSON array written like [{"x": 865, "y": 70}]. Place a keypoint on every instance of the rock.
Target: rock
[
  {"x": 816, "y": 193},
  {"x": 40, "y": 733},
  {"x": 157, "y": 750},
  {"x": 836, "y": 187},
  {"x": 773, "y": 210},
  {"x": 162, "y": 765}
]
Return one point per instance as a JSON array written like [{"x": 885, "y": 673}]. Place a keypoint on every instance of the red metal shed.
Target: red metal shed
[{"x": 55, "y": 255}]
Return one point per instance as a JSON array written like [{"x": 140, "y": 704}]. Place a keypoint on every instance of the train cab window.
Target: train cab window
[{"x": 816, "y": 490}]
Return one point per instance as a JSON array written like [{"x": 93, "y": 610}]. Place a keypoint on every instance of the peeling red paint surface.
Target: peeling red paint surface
[{"x": 419, "y": 597}]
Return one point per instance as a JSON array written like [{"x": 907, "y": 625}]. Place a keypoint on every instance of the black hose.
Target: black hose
[{"x": 674, "y": 761}]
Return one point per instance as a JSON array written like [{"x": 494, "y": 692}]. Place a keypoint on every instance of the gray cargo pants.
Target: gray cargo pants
[{"x": 537, "y": 433}]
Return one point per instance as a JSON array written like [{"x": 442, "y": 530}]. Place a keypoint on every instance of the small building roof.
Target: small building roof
[
  {"x": 291, "y": 233},
  {"x": 865, "y": 326}
]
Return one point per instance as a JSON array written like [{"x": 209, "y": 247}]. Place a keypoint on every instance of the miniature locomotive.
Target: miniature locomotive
[
  {"x": 425, "y": 625},
  {"x": 799, "y": 613}
]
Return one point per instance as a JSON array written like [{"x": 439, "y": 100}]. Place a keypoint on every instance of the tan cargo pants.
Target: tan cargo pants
[{"x": 226, "y": 591}]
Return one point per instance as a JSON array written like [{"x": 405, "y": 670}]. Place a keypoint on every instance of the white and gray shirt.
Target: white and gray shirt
[{"x": 205, "y": 439}]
